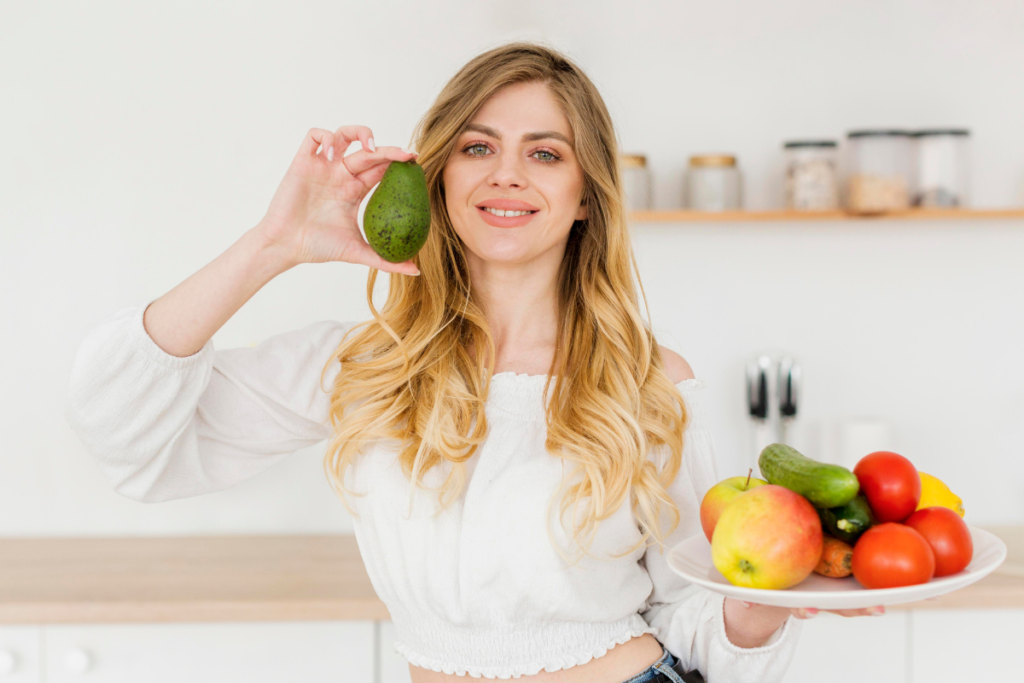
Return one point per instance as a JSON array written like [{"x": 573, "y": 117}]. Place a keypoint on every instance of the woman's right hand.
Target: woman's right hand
[{"x": 313, "y": 215}]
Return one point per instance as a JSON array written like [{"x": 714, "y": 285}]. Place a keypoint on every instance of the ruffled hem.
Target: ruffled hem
[{"x": 515, "y": 671}]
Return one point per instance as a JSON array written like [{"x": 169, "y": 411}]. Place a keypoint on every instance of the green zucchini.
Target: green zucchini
[
  {"x": 826, "y": 486},
  {"x": 848, "y": 522}
]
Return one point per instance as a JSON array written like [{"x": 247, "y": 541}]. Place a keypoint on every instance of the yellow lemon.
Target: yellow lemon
[{"x": 935, "y": 493}]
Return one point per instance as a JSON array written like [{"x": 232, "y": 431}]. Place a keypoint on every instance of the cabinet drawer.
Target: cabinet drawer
[
  {"x": 308, "y": 651},
  {"x": 19, "y": 654}
]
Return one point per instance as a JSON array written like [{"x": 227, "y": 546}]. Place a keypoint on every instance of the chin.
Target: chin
[{"x": 505, "y": 249}]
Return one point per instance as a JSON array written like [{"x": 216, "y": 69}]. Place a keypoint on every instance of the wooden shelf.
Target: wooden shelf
[{"x": 687, "y": 216}]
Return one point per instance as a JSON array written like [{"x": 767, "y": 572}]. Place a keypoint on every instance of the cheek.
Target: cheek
[
  {"x": 459, "y": 180},
  {"x": 564, "y": 193}
]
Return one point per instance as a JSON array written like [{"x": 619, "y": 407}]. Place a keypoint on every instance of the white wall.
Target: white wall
[{"x": 139, "y": 140}]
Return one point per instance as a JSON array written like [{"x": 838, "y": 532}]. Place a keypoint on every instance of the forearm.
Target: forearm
[
  {"x": 184, "y": 319},
  {"x": 752, "y": 626}
]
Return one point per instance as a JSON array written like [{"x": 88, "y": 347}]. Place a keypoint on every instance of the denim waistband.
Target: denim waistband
[{"x": 659, "y": 672}]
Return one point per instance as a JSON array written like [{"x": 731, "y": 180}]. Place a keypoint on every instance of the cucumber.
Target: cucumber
[
  {"x": 826, "y": 486},
  {"x": 848, "y": 522}
]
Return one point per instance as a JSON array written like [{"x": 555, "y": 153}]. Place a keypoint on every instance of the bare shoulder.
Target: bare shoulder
[{"x": 675, "y": 365}]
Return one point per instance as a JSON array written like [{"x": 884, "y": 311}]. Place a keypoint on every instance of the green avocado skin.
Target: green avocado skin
[{"x": 397, "y": 217}]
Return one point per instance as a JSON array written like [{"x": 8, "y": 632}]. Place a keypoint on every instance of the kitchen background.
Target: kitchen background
[{"x": 140, "y": 140}]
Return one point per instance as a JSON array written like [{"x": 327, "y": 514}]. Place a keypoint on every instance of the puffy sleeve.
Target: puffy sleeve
[
  {"x": 689, "y": 619},
  {"x": 163, "y": 427}
]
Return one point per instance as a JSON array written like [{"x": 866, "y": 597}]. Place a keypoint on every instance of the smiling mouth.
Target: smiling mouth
[{"x": 502, "y": 212}]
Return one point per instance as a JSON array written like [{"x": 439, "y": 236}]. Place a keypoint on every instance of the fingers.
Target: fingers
[
  {"x": 373, "y": 176},
  {"x": 804, "y": 612},
  {"x": 808, "y": 612},
  {"x": 352, "y": 133},
  {"x": 314, "y": 139},
  {"x": 875, "y": 611},
  {"x": 363, "y": 161},
  {"x": 368, "y": 257},
  {"x": 335, "y": 144}
]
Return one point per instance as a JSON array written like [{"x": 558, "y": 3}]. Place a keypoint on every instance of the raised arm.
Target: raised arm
[
  {"x": 312, "y": 218},
  {"x": 166, "y": 415}
]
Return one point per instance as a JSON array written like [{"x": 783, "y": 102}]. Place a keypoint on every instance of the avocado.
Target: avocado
[{"x": 397, "y": 217}]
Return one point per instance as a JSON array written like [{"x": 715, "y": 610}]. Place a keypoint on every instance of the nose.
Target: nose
[{"x": 507, "y": 171}]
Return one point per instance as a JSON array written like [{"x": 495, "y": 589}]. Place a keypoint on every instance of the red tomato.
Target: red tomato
[
  {"x": 948, "y": 536},
  {"x": 891, "y": 555},
  {"x": 891, "y": 484}
]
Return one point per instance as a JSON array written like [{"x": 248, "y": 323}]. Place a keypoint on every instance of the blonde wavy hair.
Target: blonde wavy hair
[{"x": 409, "y": 375}]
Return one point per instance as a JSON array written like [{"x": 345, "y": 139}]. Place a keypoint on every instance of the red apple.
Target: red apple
[
  {"x": 768, "y": 537},
  {"x": 720, "y": 495}
]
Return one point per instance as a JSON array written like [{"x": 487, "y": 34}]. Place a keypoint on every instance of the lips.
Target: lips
[
  {"x": 505, "y": 221},
  {"x": 489, "y": 210},
  {"x": 506, "y": 204}
]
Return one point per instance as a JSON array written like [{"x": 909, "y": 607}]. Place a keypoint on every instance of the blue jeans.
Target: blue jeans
[{"x": 666, "y": 670}]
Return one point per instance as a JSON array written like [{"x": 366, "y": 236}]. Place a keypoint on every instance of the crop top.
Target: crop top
[{"x": 475, "y": 590}]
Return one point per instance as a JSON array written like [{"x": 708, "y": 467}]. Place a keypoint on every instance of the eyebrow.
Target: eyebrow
[{"x": 528, "y": 137}]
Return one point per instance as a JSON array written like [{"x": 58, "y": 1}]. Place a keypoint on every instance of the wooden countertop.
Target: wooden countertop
[
  {"x": 265, "y": 578},
  {"x": 195, "y": 578}
]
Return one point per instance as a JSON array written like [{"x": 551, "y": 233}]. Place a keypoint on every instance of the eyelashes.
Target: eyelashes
[{"x": 552, "y": 154}]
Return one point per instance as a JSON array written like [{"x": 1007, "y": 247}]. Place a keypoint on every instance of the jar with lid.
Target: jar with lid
[
  {"x": 812, "y": 177},
  {"x": 881, "y": 170},
  {"x": 941, "y": 167},
  {"x": 636, "y": 182},
  {"x": 713, "y": 183}
]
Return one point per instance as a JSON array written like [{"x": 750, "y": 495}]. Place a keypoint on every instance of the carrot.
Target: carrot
[{"x": 836, "y": 558}]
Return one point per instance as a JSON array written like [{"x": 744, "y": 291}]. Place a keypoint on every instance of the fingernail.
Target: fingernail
[
  {"x": 810, "y": 612},
  {"x": 373, "y": 147},
  {"x": 407, "y": 150},
  {"x": 876, "y": 611},
  {"x": 330, "y": 153},
  {"x": 746, "y": 604}
]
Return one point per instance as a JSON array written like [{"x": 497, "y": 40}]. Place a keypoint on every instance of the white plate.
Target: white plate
[{"x": 691, "y": 559}]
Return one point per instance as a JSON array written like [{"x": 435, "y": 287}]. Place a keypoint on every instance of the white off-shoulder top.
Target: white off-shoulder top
[{"x": 477, "y": 589}]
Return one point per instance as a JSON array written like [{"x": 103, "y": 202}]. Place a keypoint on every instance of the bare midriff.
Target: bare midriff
[{"x": 620, "y": 663}]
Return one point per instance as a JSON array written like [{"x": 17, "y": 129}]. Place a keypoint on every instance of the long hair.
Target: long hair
[{"x": 407, "y": 375}]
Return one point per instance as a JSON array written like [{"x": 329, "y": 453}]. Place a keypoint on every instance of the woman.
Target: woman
[{"x": 506, "y": 432}]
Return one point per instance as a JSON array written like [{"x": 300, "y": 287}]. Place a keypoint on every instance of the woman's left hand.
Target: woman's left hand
[
  {"x": 749, "y": 624},
  {"x": 808, "y": 612}
]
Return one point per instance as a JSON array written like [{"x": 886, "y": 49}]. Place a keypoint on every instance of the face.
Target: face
[{"x": 515, "y": 155}]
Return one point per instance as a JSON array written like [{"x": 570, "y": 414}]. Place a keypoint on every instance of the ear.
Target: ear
[{"x": 581, "y": 214}]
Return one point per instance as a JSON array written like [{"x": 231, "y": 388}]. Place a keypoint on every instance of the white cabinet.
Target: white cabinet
[
  {"x": 967, "y": 645},
  {"x": 394, "y": 668},
  {"x": 308, "y": 651},
  {"x": 852, "y": 649},
  {"x": 19, "y": 654}
]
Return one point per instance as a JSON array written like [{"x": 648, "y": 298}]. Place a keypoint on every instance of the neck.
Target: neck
[{"x": 521, "y": 306}]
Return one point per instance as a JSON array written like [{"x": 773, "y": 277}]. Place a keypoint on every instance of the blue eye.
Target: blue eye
[{"x": 476, "y": 146}]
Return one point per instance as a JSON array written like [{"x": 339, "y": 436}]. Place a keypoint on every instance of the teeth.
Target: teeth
[{"x": 501, "y": 212}]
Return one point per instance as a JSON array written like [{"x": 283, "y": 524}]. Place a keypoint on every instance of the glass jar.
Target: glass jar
[
  {"x": 713, "y": 183},
  {"x": 812, "y": 179},
  {"x": 941, "y": 167},
  {"x": 881, "y": 170},
  {"x": 636, "y": 182}
]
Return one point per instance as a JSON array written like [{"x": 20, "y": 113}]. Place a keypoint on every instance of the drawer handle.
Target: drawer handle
[{"x": 77, "y": 661}]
